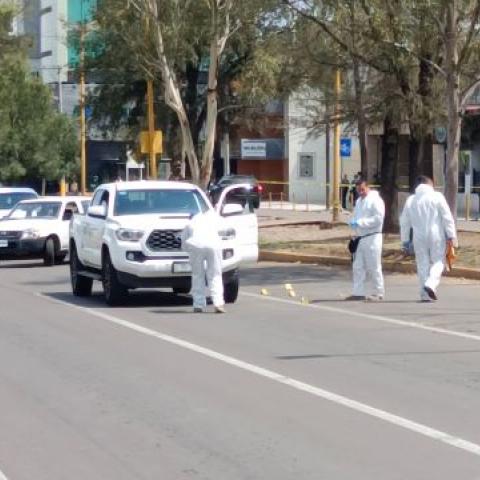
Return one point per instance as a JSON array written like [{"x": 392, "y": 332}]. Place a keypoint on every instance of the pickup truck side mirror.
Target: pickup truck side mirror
[
  {"x": 97, "y": 211},
  {"x": 232, "y": 209}
]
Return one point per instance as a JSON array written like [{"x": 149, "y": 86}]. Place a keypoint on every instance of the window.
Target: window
[
  {"x": 168, "y": 201},
  {"x": 306, "y": 165},
  {"x": 47, "y": 210}
]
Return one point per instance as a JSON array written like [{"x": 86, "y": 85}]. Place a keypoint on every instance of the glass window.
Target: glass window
[
  {"x": 9, "y": 200},
  {"x": 138, "y": 202},
  {"x": 306, "y": 165},
  {"x": 36, "y": 210}
]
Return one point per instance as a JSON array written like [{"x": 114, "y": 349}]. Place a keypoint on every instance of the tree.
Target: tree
[
  {"x": 35, "y": 140},
  {"x": 165, "y": 43}
]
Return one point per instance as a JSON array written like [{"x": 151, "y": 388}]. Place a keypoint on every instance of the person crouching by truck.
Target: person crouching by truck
[
  {"x": 200, "y": 239},
  {"x": 367, "y": 222}
]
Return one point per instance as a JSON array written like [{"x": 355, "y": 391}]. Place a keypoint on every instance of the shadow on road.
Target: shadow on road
[
  {"x": 373, "y": 354},
  {"x": 133, "y": 300}
]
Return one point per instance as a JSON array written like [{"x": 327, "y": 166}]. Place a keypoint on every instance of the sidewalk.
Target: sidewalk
[{"x": 291, "y": 214}]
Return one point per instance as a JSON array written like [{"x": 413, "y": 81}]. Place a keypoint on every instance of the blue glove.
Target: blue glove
[
  {"x": 353, "y": 223},
  {"x": 407, "y": 247}
]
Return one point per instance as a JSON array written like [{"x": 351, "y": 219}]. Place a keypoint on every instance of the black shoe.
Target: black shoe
[
  {"x": 355, "y": 298},
  {"x": 430, "y": 293}
]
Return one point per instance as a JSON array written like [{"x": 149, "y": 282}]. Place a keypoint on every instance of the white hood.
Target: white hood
[{"x": 20, "y": 225}]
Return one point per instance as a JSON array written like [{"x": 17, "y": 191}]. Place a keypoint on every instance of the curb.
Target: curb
[{"x": 388, "y": 266}]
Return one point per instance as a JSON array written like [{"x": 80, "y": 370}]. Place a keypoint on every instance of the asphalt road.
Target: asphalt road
[{"x": 275, "y": 389}]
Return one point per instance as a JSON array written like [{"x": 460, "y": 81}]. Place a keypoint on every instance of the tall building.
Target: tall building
[{"x": 45, "y": 22}]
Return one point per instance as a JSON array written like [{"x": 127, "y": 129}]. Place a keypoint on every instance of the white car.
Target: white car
[
  {"x": 130, "y": 238},
  {"x": 9, "y": 197},
  {"x": 39, "y": 228}
]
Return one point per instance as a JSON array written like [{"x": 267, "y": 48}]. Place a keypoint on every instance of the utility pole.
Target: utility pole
[
  {"x": 336, "y": 150},
  {"x": 63, "y": 183},
  {"x": 83, "y": 132},
  {"x": 151, "y": 131}
]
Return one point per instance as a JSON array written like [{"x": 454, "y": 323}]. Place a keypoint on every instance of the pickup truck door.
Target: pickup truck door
[
  {"x": 244, "y": 223},
  {"x": 92, "y": 231}
]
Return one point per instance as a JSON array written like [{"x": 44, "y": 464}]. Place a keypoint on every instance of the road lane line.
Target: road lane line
[
  {"x": 379, "y": 318},
  {"x": 391, "y": 418},
  {"x": 3, "y": 476}
]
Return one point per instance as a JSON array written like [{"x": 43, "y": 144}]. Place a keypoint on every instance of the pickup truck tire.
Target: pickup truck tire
[
  {"x": 230, "y": 290},
  {"x": 50, "y": 252},
  {"x": 113, "y": 290},
  {"x": 81, "y": 286}
]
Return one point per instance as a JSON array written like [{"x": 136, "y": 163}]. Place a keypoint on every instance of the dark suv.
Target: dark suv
[{"x": 253, "y": 195}]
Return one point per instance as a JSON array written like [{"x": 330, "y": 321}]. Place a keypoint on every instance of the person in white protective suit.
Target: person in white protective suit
[
  {"x": 428, "y": 215},
  {"x": 200, "y": 239},
  {"x": 367, "y": 222}
]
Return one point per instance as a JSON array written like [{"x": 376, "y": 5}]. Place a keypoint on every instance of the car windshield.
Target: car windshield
[
  {"x": 35, "y": 210},
  {"x": 138, "y": 202},
  {"x": 9, "y": 200}
]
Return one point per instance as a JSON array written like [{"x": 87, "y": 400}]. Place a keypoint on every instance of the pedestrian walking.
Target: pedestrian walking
[
  {"x": 367, "y": 223},
  {"x": 200, "y": 239},
  {"x": 427, "y": 213},
  {"x": 345, "y": 188}
]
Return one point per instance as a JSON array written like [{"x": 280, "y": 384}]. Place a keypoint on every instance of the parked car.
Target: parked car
[
  {"x": 39, "y": 228},
  {"x": 9, "y": 197},
  {"x": 252, "y": 192},
  {"x": 130, "y": 238}
]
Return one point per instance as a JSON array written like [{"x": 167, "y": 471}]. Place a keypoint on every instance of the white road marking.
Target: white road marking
[
  {"x": 3, "y": 476},
  {"x": 379, "y": 318},
  {"x": 402, "y": 422}
]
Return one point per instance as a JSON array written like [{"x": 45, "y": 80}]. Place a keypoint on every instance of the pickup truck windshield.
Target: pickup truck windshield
[
  {"x": 138, "y": 202},
  {"x": 35, "y": 210},
  {"x": 9, "y": 200}
]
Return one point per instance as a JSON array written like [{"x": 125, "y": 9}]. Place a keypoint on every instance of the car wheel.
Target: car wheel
[
  {"x": 50, "y": 252},
  {"x": 81, "y": 286},
  {"x": 230, "y": 290},
  {"x": 113, "y": 290}
]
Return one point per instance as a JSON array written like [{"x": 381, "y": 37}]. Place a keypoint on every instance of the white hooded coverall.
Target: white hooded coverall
[
  {"x": 428, "y": 214},
  {"x": 369, "y": 214},
  {"x": 201, "y": 241}
]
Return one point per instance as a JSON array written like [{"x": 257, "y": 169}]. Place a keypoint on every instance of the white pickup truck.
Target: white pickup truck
[{"x": 130, "y": 237}]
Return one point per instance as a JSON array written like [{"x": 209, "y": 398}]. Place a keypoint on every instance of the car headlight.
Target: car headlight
[
  {"x": 227, "y": 233},
  {"x": 129, "y": 235},
  {"x": 30, "y": 234}
]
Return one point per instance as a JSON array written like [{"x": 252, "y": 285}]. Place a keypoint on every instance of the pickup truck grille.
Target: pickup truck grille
[
  {"x": 164, "y": 240},
  {"x": 9, "y": 235}
]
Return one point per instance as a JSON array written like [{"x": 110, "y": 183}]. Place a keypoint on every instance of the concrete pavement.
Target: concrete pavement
[{"x": 150, "y": 390}]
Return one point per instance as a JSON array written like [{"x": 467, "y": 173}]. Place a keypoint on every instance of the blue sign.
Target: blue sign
[{"x": 345, "y": 147}]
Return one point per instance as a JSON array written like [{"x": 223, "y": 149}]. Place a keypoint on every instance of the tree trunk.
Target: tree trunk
[
  {"x": 361, "y": 120},
  {"x": 389, "y": 189},
  {"x": 217, "y": 46},
  {"x": 453, "y": 106}
]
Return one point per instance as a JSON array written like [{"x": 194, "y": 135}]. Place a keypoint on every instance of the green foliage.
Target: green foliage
[{"x": 35, "y": 140}]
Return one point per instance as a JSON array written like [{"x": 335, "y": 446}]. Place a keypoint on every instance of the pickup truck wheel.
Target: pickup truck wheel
[
  {"x": 50, "y": 252},
  {"x": 113, "y": 290},
  {"x": 230, "y": 290},
  {"x": 81, "y": 286}
]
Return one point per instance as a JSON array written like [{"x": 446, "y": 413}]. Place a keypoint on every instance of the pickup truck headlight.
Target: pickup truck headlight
[
  {"x": 129, "y": 235},
  {"x": 30, "y": 234},
  {"x": 227, "y": 233}
]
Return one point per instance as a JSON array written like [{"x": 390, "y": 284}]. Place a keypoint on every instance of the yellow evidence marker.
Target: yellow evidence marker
[{"x": 264, "y": 291}]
